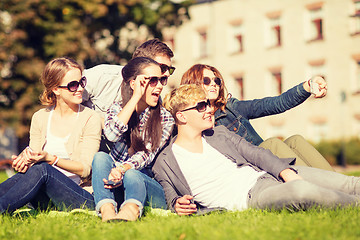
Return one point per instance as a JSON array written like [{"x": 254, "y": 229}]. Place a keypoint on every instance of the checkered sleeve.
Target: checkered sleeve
[
  {"x": 142, "y": 159},
  {"x": 114, "y": 128}
]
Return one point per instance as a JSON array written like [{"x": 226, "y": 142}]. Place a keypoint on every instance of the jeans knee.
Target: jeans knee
[
  {"x": 132, "y": 176},
  {"x": 303, "y": 191},
  {"x": 294, "y": 139},
  {"x": 100, "y": 159}
]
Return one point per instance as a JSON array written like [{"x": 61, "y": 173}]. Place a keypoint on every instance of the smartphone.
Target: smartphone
[{"x": 112, "y": 183}]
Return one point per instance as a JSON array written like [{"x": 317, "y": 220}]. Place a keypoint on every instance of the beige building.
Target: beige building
[{"x": 264, "y": 47}]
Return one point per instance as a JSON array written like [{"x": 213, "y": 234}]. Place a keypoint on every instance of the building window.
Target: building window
[
  {"x": 355, "y": 18},
  {"x": 317, "y": 68},
  {"x": 236, "y": 39},
  {"x": 314, "y": 29},
  {"x": 273, "y": 32},
  {"x": 203, "y": 44},
  {"x": 274, "y": 83},
  {"x": 240, "y": 82}
]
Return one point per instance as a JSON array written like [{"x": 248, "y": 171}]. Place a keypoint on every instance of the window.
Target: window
[
  {"x": 273, "y": 32},
  {"x": 200, "y": 43},
  {"x": 240, "y": 82},
  {"x": 318, "y": 130},
  {"x": 317, "y": 68},
  {"x": 314, "y": 30},
  {"x": 236, "y": 38},
  {"x": 355, "y": 18},
  {"x": 355, "y": 76},
  {"x": 274, "y": 83},
  {"x": 203, "y": 44}
]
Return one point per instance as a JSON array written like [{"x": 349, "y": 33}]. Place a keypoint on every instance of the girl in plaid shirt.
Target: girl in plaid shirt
[{"x": 140, "y": 127}]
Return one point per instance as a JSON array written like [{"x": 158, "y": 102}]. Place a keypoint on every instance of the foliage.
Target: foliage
[
  {"x": 333, "y": 150},
  {"x": 249, "y": 224},
  {"x": 32, "y": 32}
]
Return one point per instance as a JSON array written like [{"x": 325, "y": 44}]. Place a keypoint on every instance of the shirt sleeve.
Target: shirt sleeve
[
  {"x": 271, "y": 105},
  {"x": 142, "y": 159},
  {"x": 114, "y": 128}
]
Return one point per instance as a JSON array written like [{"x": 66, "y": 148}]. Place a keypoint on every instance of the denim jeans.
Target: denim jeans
[
  {"x": 318, "y": 188},
  {"x": 139, "y": 188},
  {"x": 40, "y": 184}
]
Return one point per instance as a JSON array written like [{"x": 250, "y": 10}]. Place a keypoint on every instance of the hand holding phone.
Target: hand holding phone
[{"x": 113, "y": 183}]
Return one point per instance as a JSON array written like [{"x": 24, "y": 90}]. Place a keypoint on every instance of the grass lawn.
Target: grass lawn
[{"x": 249, "y": 224}]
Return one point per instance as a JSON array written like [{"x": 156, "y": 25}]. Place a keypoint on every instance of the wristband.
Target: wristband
[
  {"x": 122, "y": 169},
  {"x": 56, "y": 160}
]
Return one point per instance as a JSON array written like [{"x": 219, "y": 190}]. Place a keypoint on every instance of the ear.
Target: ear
[
  {"x": 56, "y": 91},
  {"x": 132, "y": 83},
  {"x": 181, "y": 118}
]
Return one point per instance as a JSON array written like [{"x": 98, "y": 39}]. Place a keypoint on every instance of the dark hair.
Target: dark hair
[
  {"x": 52, "y": 75},
  {"x": 195, "y": 75},
  {"x": 153, "y": 128},
  {"x": 152, "y": 48}
]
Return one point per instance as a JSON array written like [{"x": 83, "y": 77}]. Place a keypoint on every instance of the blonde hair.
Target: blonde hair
[
  {"x": 53, "y": 74},
  {"x": 183, "y": 96}
]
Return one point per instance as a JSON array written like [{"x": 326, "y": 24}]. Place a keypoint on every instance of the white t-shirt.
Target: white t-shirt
[
  {"x": 215, "y": 180},
  {"x": 56, "y": 146},
  {"x": 103, "y": 87}
]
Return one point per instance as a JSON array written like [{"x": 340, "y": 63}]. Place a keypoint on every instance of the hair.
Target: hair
[
  {"x": 153, "y": 48},
  {"x": 183, "y": 96},
  {"x": 153, "y": 127},
  {"x": 52, "y": 75},
  {"x": 195, "y": 75}
]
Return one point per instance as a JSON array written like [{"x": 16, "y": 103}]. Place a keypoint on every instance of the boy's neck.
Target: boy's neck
[{"x": 189, "y": 139}]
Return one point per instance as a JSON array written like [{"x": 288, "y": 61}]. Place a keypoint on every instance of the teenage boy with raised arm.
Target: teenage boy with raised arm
[{"x": 206, "y": 167}]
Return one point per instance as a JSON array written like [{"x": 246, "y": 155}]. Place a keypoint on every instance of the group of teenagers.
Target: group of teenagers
[{"x": 192, "y": 152}]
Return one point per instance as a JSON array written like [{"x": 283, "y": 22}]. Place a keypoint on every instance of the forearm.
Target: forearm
[
  {"x": 289, "y": 175},
  {"x": 70, "y": 166},
  {"x": 125, "y": 114}
]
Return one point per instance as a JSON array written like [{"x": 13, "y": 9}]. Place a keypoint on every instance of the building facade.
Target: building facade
[{"x": 262, "y": 48}]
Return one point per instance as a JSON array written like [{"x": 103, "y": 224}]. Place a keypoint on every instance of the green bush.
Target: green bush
[{"x": 333, "y": 150}]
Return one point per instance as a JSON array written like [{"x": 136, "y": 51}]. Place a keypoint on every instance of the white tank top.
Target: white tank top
[{"x": 56, "y": 146}]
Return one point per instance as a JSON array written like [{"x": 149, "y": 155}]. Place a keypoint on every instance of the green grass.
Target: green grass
[{"x": 249, "y": 224}]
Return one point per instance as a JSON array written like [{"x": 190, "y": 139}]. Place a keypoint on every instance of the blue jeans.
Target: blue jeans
[
  {"x": 318, "y": 188},
  {"x": 139, "y": 188},
  {"x": 39, "y": 185}
]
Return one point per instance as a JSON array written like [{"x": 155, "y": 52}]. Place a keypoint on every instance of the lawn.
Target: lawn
[{"x": 249, "y": 224}]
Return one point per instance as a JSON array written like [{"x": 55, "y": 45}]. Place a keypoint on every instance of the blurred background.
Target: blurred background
[{"x": 261, "y": 47}]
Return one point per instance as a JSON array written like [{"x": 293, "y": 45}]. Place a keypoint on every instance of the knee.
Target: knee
[
  {"x": 100, "y": 159},
  {"x": 294, "y": 139},
  {"x": 132, "y": 176}
]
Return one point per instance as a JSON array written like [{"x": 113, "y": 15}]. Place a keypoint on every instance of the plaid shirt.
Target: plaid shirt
[{"x": 114, "y": 131}]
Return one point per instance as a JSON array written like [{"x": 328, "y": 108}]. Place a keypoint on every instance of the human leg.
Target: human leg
[
  {"x": 281, "y": 150},
  {"x": 269, "y": 193},
  {"x": 106, "y": 205},
  {"x": 307, "y": 152},
  {"x": 43, "y": 179},
  {"x": 141, "y": 190}
]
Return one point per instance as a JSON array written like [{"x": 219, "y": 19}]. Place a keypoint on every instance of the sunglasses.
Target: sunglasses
[
  {"x": 74, "y": 85},
  {"x": 153, "y": 81},
  {"x": 207, "y": 81},
  {"x": 200, "y": 106},
  {"x": 165, "y": 67}
]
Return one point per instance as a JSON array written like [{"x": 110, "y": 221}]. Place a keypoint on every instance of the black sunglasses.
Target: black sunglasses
[
  {"x": 74, "y": 85},
  {"x": 165, "y": 67},
  {"x": 207, "y": 81},
  {"x": 200, "y": 106},
  {"x": 153, "y": 81}
]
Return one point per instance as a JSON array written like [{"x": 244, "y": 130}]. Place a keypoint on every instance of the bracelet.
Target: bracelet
[
  {"x": 122, "y": 169},
  {"x": 56, "y": 160},
  {"x": 308, "y": 81}
]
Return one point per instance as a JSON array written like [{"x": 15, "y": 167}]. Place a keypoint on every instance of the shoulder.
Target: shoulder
[
  {"x": 166, "y": 115},
  {"x": 42, "y": 113},
  {"x": 86, "y": 112}
]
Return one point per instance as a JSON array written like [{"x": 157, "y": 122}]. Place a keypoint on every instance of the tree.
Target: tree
[{"x": 32, "y": 32}]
